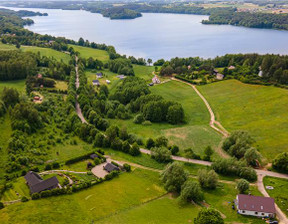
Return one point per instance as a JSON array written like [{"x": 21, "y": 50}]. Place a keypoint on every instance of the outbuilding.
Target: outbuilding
[{"x": 109, "y": 167}]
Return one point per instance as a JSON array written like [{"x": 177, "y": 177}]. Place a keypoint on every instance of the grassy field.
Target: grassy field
[
  {"x": 48, "y": 52},
  {"x": 19, "y": 186},
  {"x": 258, "y": 109},
  {"x": 16, "y": 84},
  {"x": 87, "y": 52},
  {"x": 194, "y": 133},
  {"x": 279, "y": 193},
  {"x": 103, "y": 200}
]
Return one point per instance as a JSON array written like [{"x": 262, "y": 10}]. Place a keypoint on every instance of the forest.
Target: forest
[{"x": 247, "y": 19}]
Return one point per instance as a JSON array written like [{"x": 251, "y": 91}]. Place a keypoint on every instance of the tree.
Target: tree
[
  {"x": 150, "y": 143},
  {"x": 24, "y": 199},
  {"x": 10, "y": 97},
  {"x": 149, "y": 61},
  {"x": 173, "y": 177},
  {"x": 175, "y": 114},
  {"x": 112, "y": 132},
  {"x": 281, "y": 162},
  {"x": 208, "y": 179},
  {"x": 81, "y": 41},
  {"x": 161, "y": 141},
  {"x": 1, "y": 205},
  {"x": 191, "y": 191},
  {"x": 139, "y": 118},
  {"x": 174, "y": 149},
  {"x": 99, "y": 138},
  {"x": 135, "y": 150},
  {"x": 18, "y": 45},
  {"x": 209, "y": 216},
  {"x": 208, "y": 153},
  {"x": 126, "y": 147},
  {"x": 242, "y": 186},
  {"x": 252, "y": 156},
  {"x": 161, "y": 154}
]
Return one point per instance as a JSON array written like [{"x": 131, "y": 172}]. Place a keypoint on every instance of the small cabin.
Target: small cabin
[
  {"x": 99, "y": 75},
  {"x": 96, "y": 83},
  {"x": 109, "y": 167}
]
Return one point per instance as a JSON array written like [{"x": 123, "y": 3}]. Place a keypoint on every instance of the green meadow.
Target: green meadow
[
  {"x": 16, "y": 84},
  {"x": 194, "y": 133},
  {"x": 279, "y": 193},
  {"x": 260, "y": 110},
  {"x": 87, "y": 52}
]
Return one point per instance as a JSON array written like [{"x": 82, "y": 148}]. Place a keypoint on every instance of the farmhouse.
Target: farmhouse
[
  {"x": 96, "y": 83},
  {"x": 37, "y": 184},
  {"x": 109, "y": 167},
  {"x": 99, "y": 75},
  {"x": 255, "y": 205}
]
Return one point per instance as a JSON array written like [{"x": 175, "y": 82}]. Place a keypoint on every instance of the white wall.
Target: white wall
[{"x": 260, "y": 214}]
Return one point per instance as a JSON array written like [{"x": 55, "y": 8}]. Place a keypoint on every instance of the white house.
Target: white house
[
  {"x": 255, "y": 205},
  {"x": 96, "y": 83},
  {"x": 156, "y": 80},
  {"x": 108, "y": 81},
  {"x": 219, "y": 76}
]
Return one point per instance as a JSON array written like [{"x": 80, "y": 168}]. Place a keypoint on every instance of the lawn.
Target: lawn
[
  {"x": 5, "y": 47},
  {"x": 102, "y": 200},
  {"x": 87, "y": 52},
  {"x": 61, "y": 85},
  {"x": 48, "y": 52},
  {"x": 260, "y": 110},
  {"x": 16, "y": 84},
  {"x": 19, "y": 186},
  {"x": 279, "y": 193},
  {"x": 194, "y": 133},
  {"x": 144, "y": 72}
]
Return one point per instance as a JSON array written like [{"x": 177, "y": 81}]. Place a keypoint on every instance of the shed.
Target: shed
[
  {"x": 93, "y": 156},
  {"x": 96, "y": 83},
  {"x": 99, "y": 75}
]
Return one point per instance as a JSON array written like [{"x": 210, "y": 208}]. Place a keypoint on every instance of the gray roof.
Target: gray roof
[
  {"x": 93, "y": 156},
  {"x": 37, "y": 184},
  {"x": 111, "y": 167}
]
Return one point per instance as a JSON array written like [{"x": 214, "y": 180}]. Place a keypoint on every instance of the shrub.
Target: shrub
[
  {"x": 281, "y": 162},
  {"x": 242, "y": 186},
  {"x": 209, "y": 216},
  {"x": 114, "y": 163},
  {"x": 126, "y": 147},
  {"x": 191, "y": 191},
  {"x": 48, "y": 167},
  {"x": 127, "y": 167},
  {"x": 161, "y": 154},
  {"x": 79, "y": 158},
  {"x": 1, "y": 205},
  {"x": 111, "y": 175},
  {"x": 97, "y": 161},
  {"x": 150, "y": 143},
  {"x": 24, "y": 199},
  {"x": 174, "y": 149},
  {"x": 161, "y": 141},
  {"x": 55, "y": 165},
  {"x": 35, "y": 196},
  {"x": 135, "y": 150},
  {"x": 139, "y": 118},
  {"x": 89, "y": 173},
  {"x": 208, "y": 179}
]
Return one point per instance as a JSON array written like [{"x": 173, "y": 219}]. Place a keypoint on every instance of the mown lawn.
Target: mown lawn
[
  {"x": 194, "y": 133},
  {"x": 102, "y": 200},
  {"x": 144, "y": 72},
  {"x": 5, "y": 47},
  {"x": 87, "y": 52},
  {"x": 279, "y": 193},
  {"x": 260, "y": 110}
]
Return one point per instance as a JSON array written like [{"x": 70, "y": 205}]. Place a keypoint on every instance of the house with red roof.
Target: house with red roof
[{"x": 255, "y": 205}]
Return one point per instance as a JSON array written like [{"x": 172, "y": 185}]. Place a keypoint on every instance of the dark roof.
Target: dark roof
[
  {"x": 99, "y": 74},
  {"x": 93, "y": 156},
  {"x": 45, "y": 185},
  {"x": 37, "y": 184},
  {"x": 110, "y": 167},
  {"x": 95, "y": 81},
  {"x": 32, "y": 178},
  {"x": 256, "y": 203}
]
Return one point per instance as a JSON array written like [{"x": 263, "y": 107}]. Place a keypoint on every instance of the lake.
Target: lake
[{"x": 160, "y": 35}]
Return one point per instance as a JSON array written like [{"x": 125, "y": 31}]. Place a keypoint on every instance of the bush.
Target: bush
[
  {"x": 111, "y": 175},
  {"x": 161, "y": 154},
  {"x": 48, "y": 167},
  {"x": 174, "y": 149},
  {"x": 139, "y": 119},
  {"x": 97, "y": 161},
  {"x": 126, "y": 167},
  {"x": 147, "y": 123},
  {"x": 150, "y": 143},
  {"x": 24, "y": 199},
  {"x": 208, "y": 179},
  {"x": 55, "y": 165},
  {"x": 209, "y": 216},
  {"x": 161, "y": 141},
  {"x": 135, "y": 150},
  {"x": 114, "y": 163},
  {"x": 242, "y": 186},
  {"x": 281, "y": 162},
  {"x": 191, "y": 191},
  {"x": 35, "y": 196},
  {"x": 1, "y": 205}
]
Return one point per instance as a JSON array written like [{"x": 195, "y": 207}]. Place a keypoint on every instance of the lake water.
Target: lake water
[{"x": 160, "y": 35}]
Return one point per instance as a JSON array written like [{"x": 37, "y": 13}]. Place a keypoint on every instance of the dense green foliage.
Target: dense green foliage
[
  {"x": 242, "y": 186},
  {"x": 191, "y": 191},
  {"x": 281, "y": 162},
  {"x": 208, "y": 179},
  {"x": 254, "y": 20},
  {"x": 120, "y": 13},
  {"x": 209, "y": 216}
]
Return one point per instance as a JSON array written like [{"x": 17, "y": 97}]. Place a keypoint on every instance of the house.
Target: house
[
  {"x": 109, "y": 167},
  {"x": 121, "y": 76},
  {"x": 255, "y": 205},
  {"x": 219, "y": 76},
  {"x": 99, "y": 75},
  {"x": 93, "y": 156},
  {"x": 231, "y": 67},
  {"x": 108, "y": 81},
  {"x": 96, "y": 83},
  {"x": 39, "y": 76},
  {"x": 156, "y": 80},
  {"x": 37, "y": 184}
]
